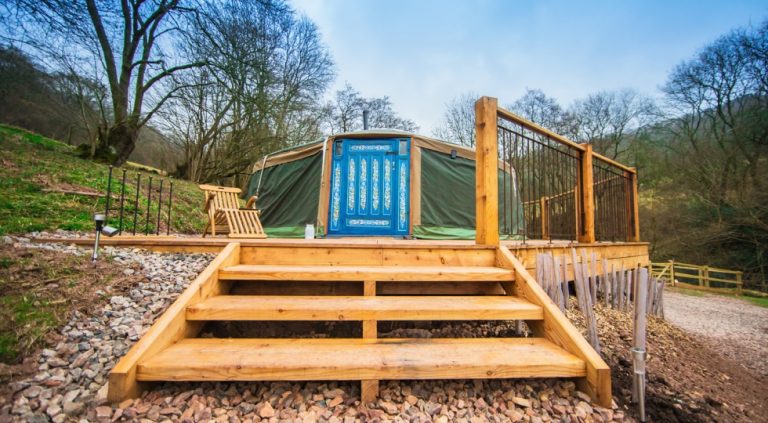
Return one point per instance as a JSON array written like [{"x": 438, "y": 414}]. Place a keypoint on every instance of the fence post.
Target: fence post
[
  {"x": 487, "y": 170},
  {"x": 544, "y": 206},
  {"x": 672, "y": 272},
  {"x": 706, "y": 276},
  {"x": 633, "y": 207},
  {"x": 586, "y": 184},
  {"x": 739, "y": 282}
]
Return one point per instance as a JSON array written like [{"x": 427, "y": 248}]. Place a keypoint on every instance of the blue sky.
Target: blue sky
[{"x": 422, "y": 53}]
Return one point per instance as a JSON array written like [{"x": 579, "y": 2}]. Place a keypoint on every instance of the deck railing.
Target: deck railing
[{"x": 566, "y": 191}]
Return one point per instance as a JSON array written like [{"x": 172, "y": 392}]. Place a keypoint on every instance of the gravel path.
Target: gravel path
[
  {"x": 735, "y": 328},
  {"x": 71, "y": 381}
]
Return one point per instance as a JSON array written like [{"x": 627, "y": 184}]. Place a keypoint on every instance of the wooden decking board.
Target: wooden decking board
[
  {"x": 359, "y": 359},
  {"x": 246, "y": 307},
  {"x": 360, "y": 273}
]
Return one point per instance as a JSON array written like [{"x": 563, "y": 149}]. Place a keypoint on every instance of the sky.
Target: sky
[{"x": 423, "y": 53}]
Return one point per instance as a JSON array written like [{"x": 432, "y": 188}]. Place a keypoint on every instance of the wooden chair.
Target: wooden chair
[{"x": 225, "y": 216}]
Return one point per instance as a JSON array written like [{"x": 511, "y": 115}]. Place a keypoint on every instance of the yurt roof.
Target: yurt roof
[{"x": 308, "y": 149}]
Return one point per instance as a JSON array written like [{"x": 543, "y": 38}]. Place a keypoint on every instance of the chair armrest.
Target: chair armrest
[
  {"x": 251, "y": 203},
  {"x": 208, "y": 197}
]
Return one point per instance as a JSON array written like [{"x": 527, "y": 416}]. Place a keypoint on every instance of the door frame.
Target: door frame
[{"x": 325, "y": 207}]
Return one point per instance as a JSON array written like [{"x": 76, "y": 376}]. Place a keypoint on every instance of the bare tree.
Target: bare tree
[
  {"x": 458, "y": 122},
  {"x": 345, "y": 114},
  {"x": 266, "y": 68},
  {"x": 545, "y": 111},
  {"x": 125, "y": 38},
  {"x": 609, "y": 119},
  {"x": 717, "y": 142}
]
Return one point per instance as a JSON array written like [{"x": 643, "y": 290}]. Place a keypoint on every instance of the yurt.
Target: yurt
[{"x": 375, "y": 183}]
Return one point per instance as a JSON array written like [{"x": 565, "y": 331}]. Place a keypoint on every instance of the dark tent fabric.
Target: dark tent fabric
[
  {"x": 288, "y": 196},
  {"x": 290, "y": 192},
  {"x": 448, "y": 199}
]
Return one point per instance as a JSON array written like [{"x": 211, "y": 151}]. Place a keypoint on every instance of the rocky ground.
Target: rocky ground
[
  {"x": 687, "y": 381},
  {"x": 69, "y": 381}
]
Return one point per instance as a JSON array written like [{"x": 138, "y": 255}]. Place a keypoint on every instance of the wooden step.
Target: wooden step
[
  {"x": 360, "y": 273},
  {"x": 358, "y": 359},
  {"x": 247, "y": 307}
]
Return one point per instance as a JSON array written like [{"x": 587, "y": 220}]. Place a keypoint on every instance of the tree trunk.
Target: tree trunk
[{"x": 120, "y": 142}]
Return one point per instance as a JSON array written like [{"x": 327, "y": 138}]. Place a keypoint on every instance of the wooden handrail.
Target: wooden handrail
[
  {"x": 506, "y": 114},
  {"x": 487, "y": 113}
]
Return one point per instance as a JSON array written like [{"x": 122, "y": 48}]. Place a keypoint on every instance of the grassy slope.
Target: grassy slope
[{"x": 30, "y": 163}]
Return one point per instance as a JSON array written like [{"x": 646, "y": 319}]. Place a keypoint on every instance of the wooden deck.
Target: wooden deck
[{"x": 279, "y": 251}]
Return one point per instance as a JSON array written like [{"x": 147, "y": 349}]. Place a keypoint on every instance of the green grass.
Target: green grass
[
  {"x": 32, "y": 317},
  {"x": 762, "y": 302},
  {"x": 30, "y": 163}
]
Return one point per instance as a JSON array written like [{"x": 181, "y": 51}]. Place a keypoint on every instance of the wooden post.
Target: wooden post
[
  {"x": 586, "y": 182},
  {"x": 739, "y": 282},
  {"x": 544, "y": 208},
  {"x": 487, "y": 171},
  {"x": 672, "y": 272},
  {"x": 369, "y": 389},
  {"x": 706, "y": 276},
  {"x": 633, "y": 207}
]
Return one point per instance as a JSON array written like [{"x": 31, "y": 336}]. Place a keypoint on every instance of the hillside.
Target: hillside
[{"x": 30, "y": 164}]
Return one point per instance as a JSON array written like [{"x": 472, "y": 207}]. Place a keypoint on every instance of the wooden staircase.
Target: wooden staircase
[{"x": 365, "y": 283}]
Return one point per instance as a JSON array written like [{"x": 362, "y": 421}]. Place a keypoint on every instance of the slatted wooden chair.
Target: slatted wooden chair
[{"x": 225, "y": 216}]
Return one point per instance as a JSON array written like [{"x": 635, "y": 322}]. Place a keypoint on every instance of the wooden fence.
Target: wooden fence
[
  {"x": 567, "y": 190},
  {"x": 703, "y": 278}
]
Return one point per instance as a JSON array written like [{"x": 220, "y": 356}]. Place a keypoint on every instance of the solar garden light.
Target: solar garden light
[
  {"x": 638, "y": 358},
  {"x": 101, "y": 229}
]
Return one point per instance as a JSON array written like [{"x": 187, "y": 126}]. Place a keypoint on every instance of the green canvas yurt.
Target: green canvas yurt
[{"x": 375, "y": 183}]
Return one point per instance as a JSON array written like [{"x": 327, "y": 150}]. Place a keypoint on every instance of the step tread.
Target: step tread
[
  {"x": 247, "y": 307},
  {"x": 229, "y": 359},
  {"x": 360, "y": 273}
]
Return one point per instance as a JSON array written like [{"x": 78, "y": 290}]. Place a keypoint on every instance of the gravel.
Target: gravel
[
  {"x": 71, "y": 382},
  {"x": 72, "y": 375},
  {"x": 735, "y": 328}
]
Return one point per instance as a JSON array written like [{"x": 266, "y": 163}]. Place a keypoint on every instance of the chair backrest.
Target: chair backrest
[{"x": 221, "y": 197}]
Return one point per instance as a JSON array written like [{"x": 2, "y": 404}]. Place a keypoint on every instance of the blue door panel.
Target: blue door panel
[{"x": 370, "y": 187}]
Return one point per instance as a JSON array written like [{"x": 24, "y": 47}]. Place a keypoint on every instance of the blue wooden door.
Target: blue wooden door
[{"x": 370, "y": 187}]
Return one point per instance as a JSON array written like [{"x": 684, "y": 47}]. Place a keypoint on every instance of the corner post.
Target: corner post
[
  {"x": 587, "y": 234},
  {"x": 487, "y": 170},
  {"x": 633, "y": 207},
  {"x": 544, "y": 205}
]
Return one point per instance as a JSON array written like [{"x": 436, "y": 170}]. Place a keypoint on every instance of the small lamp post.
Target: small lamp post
[{"x": 107, "y": 230}]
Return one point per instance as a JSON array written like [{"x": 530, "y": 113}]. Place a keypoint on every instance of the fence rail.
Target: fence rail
[
  {"x": 704, "y": 278},
  {"x": 566, "y": 191}
]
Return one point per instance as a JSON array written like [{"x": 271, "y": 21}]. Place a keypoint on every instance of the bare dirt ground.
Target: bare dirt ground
[
  {"x": 736, "y": 329},
  {"x": 688, "y": 382}
]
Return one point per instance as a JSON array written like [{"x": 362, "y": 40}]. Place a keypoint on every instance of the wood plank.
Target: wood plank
[
  {"x": 357, "y": 359},
  {"x": 558, "y": 329},
  {"x": 369, "y": 255},
  {"x": 325, "y": 186},
  {"x": 415, "y": 186},
  {"x": 369, "y": 388},
  {"x": 587, "y": 234},
  {"x": 486, "y": 171},
  {"x": 383, "y": 288},
  {"x": 340, "y": 308},
  {"x": 361, "y": 273},
  {"x": 171, "y": 327}
]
